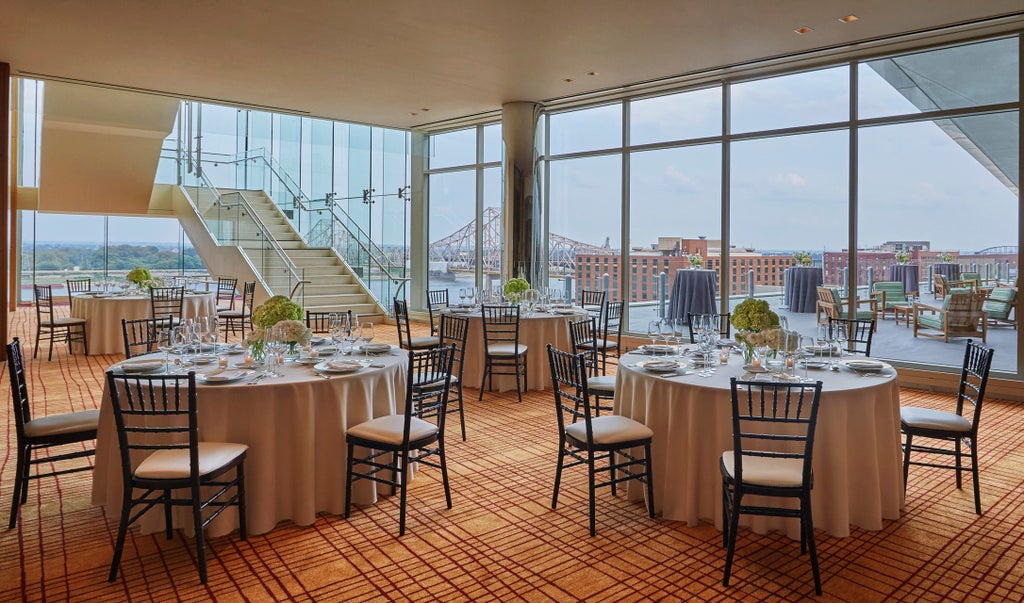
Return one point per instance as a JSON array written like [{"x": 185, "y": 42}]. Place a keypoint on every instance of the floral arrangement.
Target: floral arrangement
[
  {"x": 752, "y": 318},
  {"x": 274, "y": 310},
  {"x": 294, "y": 332},
  {"x": 137, "y": 276},
  {"x": 696, "y": 261},
  {"x": 902, "y": 257},
  {"x": 946, "y": 256},
  {"x": 515, "y": 288},
  {"x": 803, "y": 258}
]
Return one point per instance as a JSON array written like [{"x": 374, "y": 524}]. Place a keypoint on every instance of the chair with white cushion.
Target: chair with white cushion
[
  {"x": 226, "y": 293},
  {"x": 50, "y": 327},
  {"x": 39, "y": 434},
  {"x": 163, "y": 458},
  {"x": 502, "y": 351},
  {"x": 773, "y": 428},
  {"x": 958, "y": 428},
  {"x": 235, "y": 321},
  {"x": 416, "y": 435},
  {"x": 453, "y": 332},
  {"x": 583, "y": 334},
  {"x": 603, "y": 444},
  {"x": 405, "y": 339}
]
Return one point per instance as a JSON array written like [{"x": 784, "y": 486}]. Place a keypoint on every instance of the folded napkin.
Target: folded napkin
[
  {"x": 865, "y": 365},
  {"x": 225, "y": 376},
  {"x": 660, "y": 365},
  {"x": 343, "y": 365},
  {"x": 141, "y": 365},
  {"x": 375, "y": 348}
]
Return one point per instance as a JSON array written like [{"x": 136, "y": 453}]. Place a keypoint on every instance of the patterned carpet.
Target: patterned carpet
[{"x": 501, "y": 541}]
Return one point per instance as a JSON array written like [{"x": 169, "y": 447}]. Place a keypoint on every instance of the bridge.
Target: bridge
[{"x": 458, "y": 249}]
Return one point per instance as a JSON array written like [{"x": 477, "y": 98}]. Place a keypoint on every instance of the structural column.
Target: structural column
[
  {"x": 6, "y": 208},
  {"x": 522, "y": 217}
]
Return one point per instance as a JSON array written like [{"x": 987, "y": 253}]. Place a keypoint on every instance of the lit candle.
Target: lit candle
[
  {"x": 757, "y": 362},
  {"x": 314, "y": 353},
  {"x": 789, "y": 362},
  {"x": 223, "y": 362},
  {"x": 724, "y": 357},
  {"x": 248, "y": 358}
]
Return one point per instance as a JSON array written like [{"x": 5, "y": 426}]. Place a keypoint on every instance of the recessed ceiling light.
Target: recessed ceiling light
[
  {"x": 848, "y": 18},
  {"x": 569, "y": 80},
  {"x": 803, "y": 30},
  {"x": 412, "y": 113},
  {"x": 591, "y": 73}
]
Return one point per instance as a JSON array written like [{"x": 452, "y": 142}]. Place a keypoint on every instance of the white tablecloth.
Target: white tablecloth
[
  {"x": 858, "y": 474},
  {"x": 536, "y": 330},
  {"x": 294, "y": 426},
  {"x": 103, "y": 316}
]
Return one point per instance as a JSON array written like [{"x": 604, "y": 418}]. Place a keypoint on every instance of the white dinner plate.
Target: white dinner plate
[
  {"x": 226, "y": 376},
  {"x": 327, "y": 351},
  {"x": 205, "y": 359},
  {"x": 248, "y": 365},
  {"x": 659, "y": 366},
  {"x": 375, "y": 348},
  {"x": 309, "y": 361},
  {"x": 648, "y": 348},
  {"x": 337, "y": 366},
  {"x": 751, "y": 368},
  {"x": 864, "y": 366},
  {"x": 141, "y": 366},
  {"x": 815, "y": 364}
]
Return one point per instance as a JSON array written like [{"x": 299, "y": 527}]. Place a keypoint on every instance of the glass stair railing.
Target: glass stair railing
[
  {"x": 321, "y": 223},
  {"x": 231, "y": 220}
]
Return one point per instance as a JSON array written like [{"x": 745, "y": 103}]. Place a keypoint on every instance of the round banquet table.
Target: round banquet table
[
  {"x": 693, "y": 292},
  {"x": 103, "y": 316},
  {"x": 536, "y": 330},
  {"x": 908, "y": 274},
  {"x": 294, "y": 426},
  {"x": 858, "y": 472},
  {"x": 802, "y": 284}
]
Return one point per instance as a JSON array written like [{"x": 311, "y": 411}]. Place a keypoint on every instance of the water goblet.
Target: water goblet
[
  {"x": 366, "y": 335},
  {"x": 654, "y": 332},
  {"x": 165, "y": 343},
  {"x": 462, "y": 296},
  {"x": 841, "y": 338}
]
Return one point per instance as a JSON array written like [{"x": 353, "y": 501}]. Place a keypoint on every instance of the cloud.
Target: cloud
[{"x": 790, "y": 180}]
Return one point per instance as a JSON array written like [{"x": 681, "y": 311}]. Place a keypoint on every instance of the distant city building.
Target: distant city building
[{"x": 670, "y": 254}]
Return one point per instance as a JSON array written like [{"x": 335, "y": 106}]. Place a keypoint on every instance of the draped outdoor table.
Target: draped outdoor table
[
  {"x": 294, "y": 426},
  {"x": 802, "y": 284},
  {"x": 103, "y": 316},
  {"x": 536, "y": 330},
  {"x": 908, "y": 274},
  {"x": 858, "y": 474},
  {"x": 950, "y": 271},
  {"x": 693, "y": 291}
]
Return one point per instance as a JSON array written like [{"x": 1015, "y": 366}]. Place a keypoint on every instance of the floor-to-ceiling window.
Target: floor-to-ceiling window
[{"x": 465, "y": 208}]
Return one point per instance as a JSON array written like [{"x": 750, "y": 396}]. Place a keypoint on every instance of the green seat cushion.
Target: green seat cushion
[
  {"x": 933, "y": 321},
  {"x": 894, "y": 293},
  {"x": 1002, "y": 294},
  {"x": 999, "y": 302}
]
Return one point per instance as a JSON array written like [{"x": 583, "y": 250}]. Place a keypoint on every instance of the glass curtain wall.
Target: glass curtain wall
[
  {"x": 934, "y": 172},
  {"x": 465, "y": 201}
]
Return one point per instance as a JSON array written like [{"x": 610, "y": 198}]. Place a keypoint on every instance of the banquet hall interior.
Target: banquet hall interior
[{"x": 640, "y": 165}]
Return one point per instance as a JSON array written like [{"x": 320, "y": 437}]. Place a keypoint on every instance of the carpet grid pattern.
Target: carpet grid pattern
[{"x": 501, "y": 541}]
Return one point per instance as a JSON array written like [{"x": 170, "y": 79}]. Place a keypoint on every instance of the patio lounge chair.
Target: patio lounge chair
[
  {"x": 830, "y": 304},
  {"x": 961, "y": 315},
  {"x": 999, "y": 304},
  {"x": 889, "y": 295}
]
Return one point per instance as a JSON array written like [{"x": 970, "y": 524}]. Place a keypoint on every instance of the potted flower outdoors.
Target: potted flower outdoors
[
  {"x": 902, "y": 257},
  {"x": 750, "y": 319},
  {"x": 696, "y": 261},
  {"x": 946, "y": 257},
  {"x": 276, "y": 310},
  {"x": 802, "y": 258}
]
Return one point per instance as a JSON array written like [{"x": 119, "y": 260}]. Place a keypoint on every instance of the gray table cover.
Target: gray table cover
[
  {"x": 908, "y": 274},
  {"x": 950, "y": 271},
  {"x": 692, "y": 291},
  {"x": 802, "y": 284}
]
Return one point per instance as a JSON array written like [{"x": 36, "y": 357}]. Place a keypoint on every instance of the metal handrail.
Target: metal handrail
[{"x": 261, "y": 227}]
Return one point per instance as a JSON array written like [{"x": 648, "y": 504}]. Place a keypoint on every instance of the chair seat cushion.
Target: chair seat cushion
[
  {"x": 174, "y": 464},
  {"x": 71, "y": 422},
  {"x": 389, "y": 429},
  {"x": 611, "y": 429},
  {"x": 603, "y": 344},
  {"x": 222, "y": 309},
  {"x": 929, "y": 418},
  {"x": 233, "y": 314},
  {"x": 506, "y": 349},
  {"x": 63, "y": 322},
  {"x": 765, "y": 471},
  {"x": 933, "y": 321},
  {"x": 602, "y": 384},
  {"x": 421, "y": 343}
]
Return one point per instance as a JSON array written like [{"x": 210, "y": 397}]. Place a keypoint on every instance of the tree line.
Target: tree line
[{"x": 119, "y": 257}]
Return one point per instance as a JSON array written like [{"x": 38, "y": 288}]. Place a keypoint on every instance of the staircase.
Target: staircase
[{"x": 331, "y": 286}]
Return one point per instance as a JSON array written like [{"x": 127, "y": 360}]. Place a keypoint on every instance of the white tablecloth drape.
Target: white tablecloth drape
[
  {"x": 103, "y": 316},
  {"x": 536, "y": 330},
  {"x": 294, "y": 426},
  {"x": 858, "y": 476}
]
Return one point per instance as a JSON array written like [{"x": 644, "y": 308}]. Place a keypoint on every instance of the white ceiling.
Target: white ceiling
[{"x": 380, "y": 61}]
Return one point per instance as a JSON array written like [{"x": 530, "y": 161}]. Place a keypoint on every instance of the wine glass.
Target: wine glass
[
  {"x": 462, "y": 296},
  {"x": 841, "y": 337},
  {"x": 366, "y": 335},
  {"x": 654, "y": 332},
  {"x": 165, "y": 343}
]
